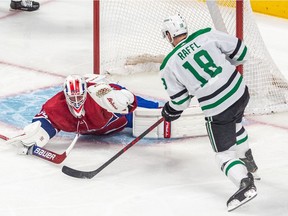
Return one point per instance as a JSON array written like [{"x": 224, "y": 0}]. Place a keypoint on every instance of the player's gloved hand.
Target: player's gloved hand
[
  {"x": 169, "y": 113},
  {"x": 115, "y": 101},
  {"x": 33, "y": 134}
]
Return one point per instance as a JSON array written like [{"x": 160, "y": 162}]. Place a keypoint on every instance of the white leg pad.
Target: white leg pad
[{"x": 191, "y": 123}]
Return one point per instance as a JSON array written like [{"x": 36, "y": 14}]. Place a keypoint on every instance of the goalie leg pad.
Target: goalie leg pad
[{"x": 191, "y": 123}]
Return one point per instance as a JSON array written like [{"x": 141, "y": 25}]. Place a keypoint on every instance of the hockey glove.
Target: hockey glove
[
  {"x": 33, "y": 134},
  {"x": 115, "y": 101},
  {"x": 169, "y": 113}
]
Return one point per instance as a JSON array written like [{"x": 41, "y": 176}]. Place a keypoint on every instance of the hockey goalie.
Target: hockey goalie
[{"x": 93, "y": 105}]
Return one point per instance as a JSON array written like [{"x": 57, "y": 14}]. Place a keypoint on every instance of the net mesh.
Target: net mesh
[{"x": 130, "y": 34}]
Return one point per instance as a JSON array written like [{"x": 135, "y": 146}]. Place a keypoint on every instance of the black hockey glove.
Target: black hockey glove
[{"x": 169, "y": 113}]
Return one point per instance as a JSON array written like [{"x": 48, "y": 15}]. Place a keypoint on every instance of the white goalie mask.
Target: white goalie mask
[
  {"x": 75, "y": 90},
  {"x": 175, "y": 25}
]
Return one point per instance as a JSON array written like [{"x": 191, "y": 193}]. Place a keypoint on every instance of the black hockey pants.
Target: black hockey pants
[{"x": 221, "y": 128}]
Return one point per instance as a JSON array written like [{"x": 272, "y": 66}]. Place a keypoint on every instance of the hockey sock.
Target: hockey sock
[
  {"x": 235, "y": 170},
  {"x": 242, "y": 145}
]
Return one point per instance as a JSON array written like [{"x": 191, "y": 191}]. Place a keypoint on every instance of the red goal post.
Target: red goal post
[
  {"x": 96, "y": 36},
  {"x": 239, "y": 25},
  {"x": 127, "y": 36}
]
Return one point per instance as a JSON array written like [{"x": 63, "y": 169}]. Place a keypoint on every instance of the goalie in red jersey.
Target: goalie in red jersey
[{"x": 87, "y": 105}]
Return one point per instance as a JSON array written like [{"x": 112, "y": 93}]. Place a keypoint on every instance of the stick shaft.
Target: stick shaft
[
  {"x": 90, "y": 174},
  {"x": 129, "y": 145}
]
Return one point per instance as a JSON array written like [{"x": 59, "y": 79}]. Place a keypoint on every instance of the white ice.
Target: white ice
[{"x": 153, "y": 178}]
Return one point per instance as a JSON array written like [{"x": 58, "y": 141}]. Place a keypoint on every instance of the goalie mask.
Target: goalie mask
[
  {"x": 175, "y": 25},
  {"x": 75, "y": 90}
]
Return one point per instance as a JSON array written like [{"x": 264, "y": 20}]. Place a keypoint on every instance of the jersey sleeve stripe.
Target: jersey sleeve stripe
[
  {"x": 236, "y": 49},
  {"x": 243, "y": 54},
  {"x": 181, "y": 101},
  {"x": 179, "y": 94}
]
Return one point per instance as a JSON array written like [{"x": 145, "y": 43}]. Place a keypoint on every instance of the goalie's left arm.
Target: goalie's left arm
[{"x": 113, "y": 97}]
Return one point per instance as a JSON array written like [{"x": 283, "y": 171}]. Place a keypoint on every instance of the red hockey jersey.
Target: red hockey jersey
[{"x": 96, "y": 120}]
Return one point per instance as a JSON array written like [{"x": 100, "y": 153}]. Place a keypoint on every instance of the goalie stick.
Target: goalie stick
[
  {"x": 90, "y": 174},
  {"x": 50, "y": 155}
]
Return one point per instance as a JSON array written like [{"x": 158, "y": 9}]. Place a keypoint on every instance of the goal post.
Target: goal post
[
  {"x": 96, "y": 36},
  {"x": 127, "y": 37},
  {"x": 239, "y": 26}
]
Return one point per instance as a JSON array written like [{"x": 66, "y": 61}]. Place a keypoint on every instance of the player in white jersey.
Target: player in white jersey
[{"x": 203, "y": 65}]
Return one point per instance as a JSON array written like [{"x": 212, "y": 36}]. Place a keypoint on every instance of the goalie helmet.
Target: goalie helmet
[
  {"x": 175, "y": 25},
  {"x": 75, "y": 90}
]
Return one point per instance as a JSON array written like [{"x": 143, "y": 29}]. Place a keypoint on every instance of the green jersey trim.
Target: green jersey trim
[
  {"x": 181, "y": 101},
  {"x": 243, "y": 54},
  {"x": 225, "y": 97},
  {"x": 187, "y": 40}
]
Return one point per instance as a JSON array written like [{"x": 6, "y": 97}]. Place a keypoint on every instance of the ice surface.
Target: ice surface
[{"x": 155, "y": 177}]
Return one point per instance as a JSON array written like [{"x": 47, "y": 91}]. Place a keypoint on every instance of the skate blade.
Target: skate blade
[{"x": 234, "y": 204}]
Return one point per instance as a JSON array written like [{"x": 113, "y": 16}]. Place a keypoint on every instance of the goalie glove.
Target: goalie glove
[
  {"x": 170, "y": 114},
  {"x": 115, "y": 101},
  {"x": 33, "y": 134}
]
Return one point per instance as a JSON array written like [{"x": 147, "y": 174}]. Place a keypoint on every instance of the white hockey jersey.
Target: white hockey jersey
[{"x": 204, "y": 65}]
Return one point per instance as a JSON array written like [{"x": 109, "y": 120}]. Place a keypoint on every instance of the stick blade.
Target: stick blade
[
  {"x": 48, "y": 155},
  {"x": 77, "y": 173}
]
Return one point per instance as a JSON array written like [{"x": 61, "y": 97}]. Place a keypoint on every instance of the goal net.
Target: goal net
[{"x": 128, "y": 38}]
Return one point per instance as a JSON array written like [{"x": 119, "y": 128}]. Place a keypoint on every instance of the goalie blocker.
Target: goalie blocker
[{"x": 191, "y": 123}]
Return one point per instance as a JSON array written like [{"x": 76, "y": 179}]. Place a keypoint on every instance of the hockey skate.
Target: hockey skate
[
  {"x": 250, "y": 164},
  {"x": 24, "y": 5},
  {"x": 246, "y": 192}
]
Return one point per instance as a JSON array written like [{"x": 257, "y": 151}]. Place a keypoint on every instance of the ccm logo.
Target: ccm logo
[
  {"x": 167, "y": 129},
  {"x": 44, "y": 153}
]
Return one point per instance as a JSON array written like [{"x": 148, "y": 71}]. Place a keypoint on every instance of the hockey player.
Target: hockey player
[
  {"x": 90, "y": 105},
  {"x": 203, "y": 65},
  {"x": 24, "y": 5}
]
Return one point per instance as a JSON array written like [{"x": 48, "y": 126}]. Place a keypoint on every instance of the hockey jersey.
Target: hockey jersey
[
  {"x": 204, "y": 65},
  {"x": 55, "y": 116}
]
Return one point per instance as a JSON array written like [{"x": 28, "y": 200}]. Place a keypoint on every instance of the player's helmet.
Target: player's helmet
[
  {"x": 75, "y": 90},
  {"x": 175, "y": 25}
]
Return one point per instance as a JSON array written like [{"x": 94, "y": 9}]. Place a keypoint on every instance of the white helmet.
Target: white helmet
[
  {"x": 75, "y": 90},
  {"x": 175, "y": 25}
]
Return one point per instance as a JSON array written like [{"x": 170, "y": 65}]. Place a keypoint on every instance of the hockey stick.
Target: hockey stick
[
  {"x": 3, "y": 137},
  {"x": 52, "y": 156},
  {"x": 90, "y": 174},
  {"x": 47, "y": 154}
]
